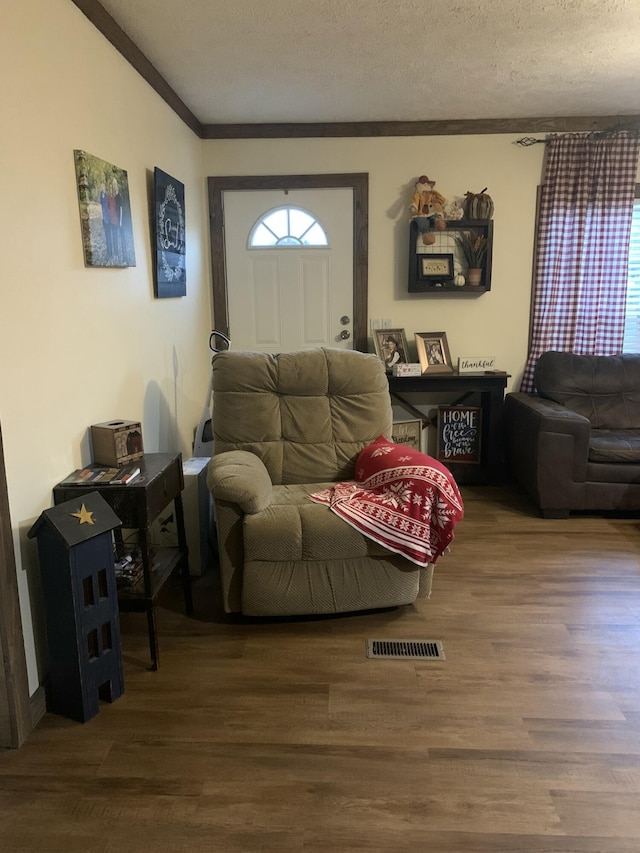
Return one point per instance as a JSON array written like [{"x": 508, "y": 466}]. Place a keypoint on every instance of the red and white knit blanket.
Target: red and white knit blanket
[{"x": 401, "y": 498}]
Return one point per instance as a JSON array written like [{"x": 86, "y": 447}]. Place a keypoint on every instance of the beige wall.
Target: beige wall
[
  {"x": 495, "y": 323},
  {"x": 80, "y": 346}
]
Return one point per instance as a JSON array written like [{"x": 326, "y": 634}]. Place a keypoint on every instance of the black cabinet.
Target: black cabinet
[
  {"x": 433, "y": 268},
  {"x": 75, "y": 548}
]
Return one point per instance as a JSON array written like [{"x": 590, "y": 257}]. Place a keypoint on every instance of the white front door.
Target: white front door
[{"x": 287, "y": 298}]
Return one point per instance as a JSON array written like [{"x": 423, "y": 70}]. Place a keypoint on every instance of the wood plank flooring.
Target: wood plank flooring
[{"x": 279, "y": 735}]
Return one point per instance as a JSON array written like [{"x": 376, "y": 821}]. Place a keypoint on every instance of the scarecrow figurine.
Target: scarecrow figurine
[
  {"x": 427, "y": 207},
  {"x": 428, "y": 202}
]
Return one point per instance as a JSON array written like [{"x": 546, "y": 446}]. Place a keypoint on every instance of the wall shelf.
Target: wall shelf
[{"x": 445, "y": 244}]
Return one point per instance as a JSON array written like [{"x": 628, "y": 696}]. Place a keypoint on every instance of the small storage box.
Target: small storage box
[{"x": 116, "y": 442}]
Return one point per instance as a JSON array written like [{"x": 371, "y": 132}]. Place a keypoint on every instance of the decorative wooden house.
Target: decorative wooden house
[{"x": 75, "y": 547}]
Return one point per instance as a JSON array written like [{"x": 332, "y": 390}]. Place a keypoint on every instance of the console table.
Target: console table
[
  {"x": 490, "y": 386},
  {"x": 137, "y": 505}
]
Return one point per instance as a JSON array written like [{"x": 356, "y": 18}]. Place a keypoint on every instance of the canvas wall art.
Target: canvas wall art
[
  {"x": 105, "y": 212},
  {"x": 170, "y": 266}
]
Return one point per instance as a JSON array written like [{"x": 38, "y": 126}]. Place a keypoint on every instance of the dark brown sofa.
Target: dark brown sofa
[{"x": 575, "y": 445}]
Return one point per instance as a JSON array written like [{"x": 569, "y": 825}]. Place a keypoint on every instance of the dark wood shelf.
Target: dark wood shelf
[
  {"x": 423, "y": 287},
  {"x": 136, "y": 598},
  {"x": 449, "y": 289}
]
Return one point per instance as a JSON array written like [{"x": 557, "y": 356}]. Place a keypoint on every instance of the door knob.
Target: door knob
[
  {"x": 345, "y": 335},
  {"x": 345, "y": 320}
]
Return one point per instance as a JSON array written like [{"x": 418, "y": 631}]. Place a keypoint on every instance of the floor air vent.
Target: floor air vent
[{"x": 405, "y": 649}]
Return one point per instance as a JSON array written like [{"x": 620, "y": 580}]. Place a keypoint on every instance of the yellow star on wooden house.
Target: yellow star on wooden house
[{"x": 85, "y": 516}]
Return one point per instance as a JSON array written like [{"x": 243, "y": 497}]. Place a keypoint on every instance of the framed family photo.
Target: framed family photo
[
  {"x": 105, "y": 212},
  {"x": 391, "y": 347},
  {"x": 433, "y": 352}
]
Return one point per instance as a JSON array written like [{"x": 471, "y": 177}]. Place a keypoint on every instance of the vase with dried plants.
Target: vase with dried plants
[{"x": 474, "y": 250}]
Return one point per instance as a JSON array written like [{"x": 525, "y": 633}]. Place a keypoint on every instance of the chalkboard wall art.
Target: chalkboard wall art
[
  {"x": 459, "y": 433},
  {"x": 170, "y": 267}
]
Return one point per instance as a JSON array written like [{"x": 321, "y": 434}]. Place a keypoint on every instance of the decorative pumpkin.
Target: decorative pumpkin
[
  {"x": 478, "y": 205},
  {"x": 453, "y": 211}
]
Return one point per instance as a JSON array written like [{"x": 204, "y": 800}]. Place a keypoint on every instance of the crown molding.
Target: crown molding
[
  {"x": 565, "y": 124},
  {"x": 103, "y": 22}
]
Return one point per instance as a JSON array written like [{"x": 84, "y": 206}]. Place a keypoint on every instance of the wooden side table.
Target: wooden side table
[{"x": 137, "y": 505}]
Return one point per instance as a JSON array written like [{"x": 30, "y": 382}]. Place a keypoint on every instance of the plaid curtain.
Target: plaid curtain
[{"x": 582, "y": 247}]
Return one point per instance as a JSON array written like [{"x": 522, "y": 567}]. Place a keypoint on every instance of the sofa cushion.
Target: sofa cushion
[
  {"x": 331, "y": 586},
  {"x": 294, "y": 528},
  {"x": 614, "y": 445},
  {"x": 604, "y": 389}
]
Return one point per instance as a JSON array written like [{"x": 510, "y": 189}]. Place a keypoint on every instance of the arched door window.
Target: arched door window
[{"x": 287, "y": 226}]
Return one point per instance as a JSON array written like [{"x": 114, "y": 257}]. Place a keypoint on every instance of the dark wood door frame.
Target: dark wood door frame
[
  {"x": 358, "y": 182},
  {"x": 15, "y": 707}
]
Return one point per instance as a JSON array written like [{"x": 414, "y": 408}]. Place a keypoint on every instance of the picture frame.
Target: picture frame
[
  {"x": 169, "y": 233},
  {"x": 408, "y": 433},
  {"x": 433, "y": 352},
  {"x": 391, "y": 347},
  {"x": 459, "y": 434},
  {"x": 105, "y": 212},
  {"x": 435, "y": 267}
]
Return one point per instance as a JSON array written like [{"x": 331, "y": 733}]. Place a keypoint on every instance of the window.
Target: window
[
  {"x": 632, "y": 315},
  {"x": 287, "y": 226}
]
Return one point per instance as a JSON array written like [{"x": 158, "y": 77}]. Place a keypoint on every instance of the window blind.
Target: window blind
[{"x": 632, "y": 315}]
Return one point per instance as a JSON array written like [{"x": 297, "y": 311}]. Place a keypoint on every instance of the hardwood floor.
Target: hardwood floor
[{"x": 279, "y": 735}]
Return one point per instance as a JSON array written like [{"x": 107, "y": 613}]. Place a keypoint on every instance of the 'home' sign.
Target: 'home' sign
[{"x": 476, "y": 363}]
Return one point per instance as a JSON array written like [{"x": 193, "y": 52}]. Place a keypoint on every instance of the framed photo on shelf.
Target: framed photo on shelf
[
  {"x": 435, "y": 267},
  {"x": 433, "y": 352},
  {"x": 391, "y": 347}
]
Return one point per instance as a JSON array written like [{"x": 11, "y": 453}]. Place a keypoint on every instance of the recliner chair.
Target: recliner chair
[{"x": 285, "y": 426}]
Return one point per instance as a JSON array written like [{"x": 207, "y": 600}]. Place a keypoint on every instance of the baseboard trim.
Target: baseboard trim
[{"x": 38, "y": 706}]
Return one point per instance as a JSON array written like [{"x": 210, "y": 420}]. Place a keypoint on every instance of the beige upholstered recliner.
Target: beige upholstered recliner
[{"x": 286, "y": 426}]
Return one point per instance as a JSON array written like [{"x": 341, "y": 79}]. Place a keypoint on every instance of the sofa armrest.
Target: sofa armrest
[
  {"x": 240, "y": 477},
  {"x": 547, "y": 449},
  {"x": 541, "y": 413}
]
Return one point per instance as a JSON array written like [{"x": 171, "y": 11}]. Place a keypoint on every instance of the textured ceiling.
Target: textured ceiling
[{"x": 240, "y": 61}]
